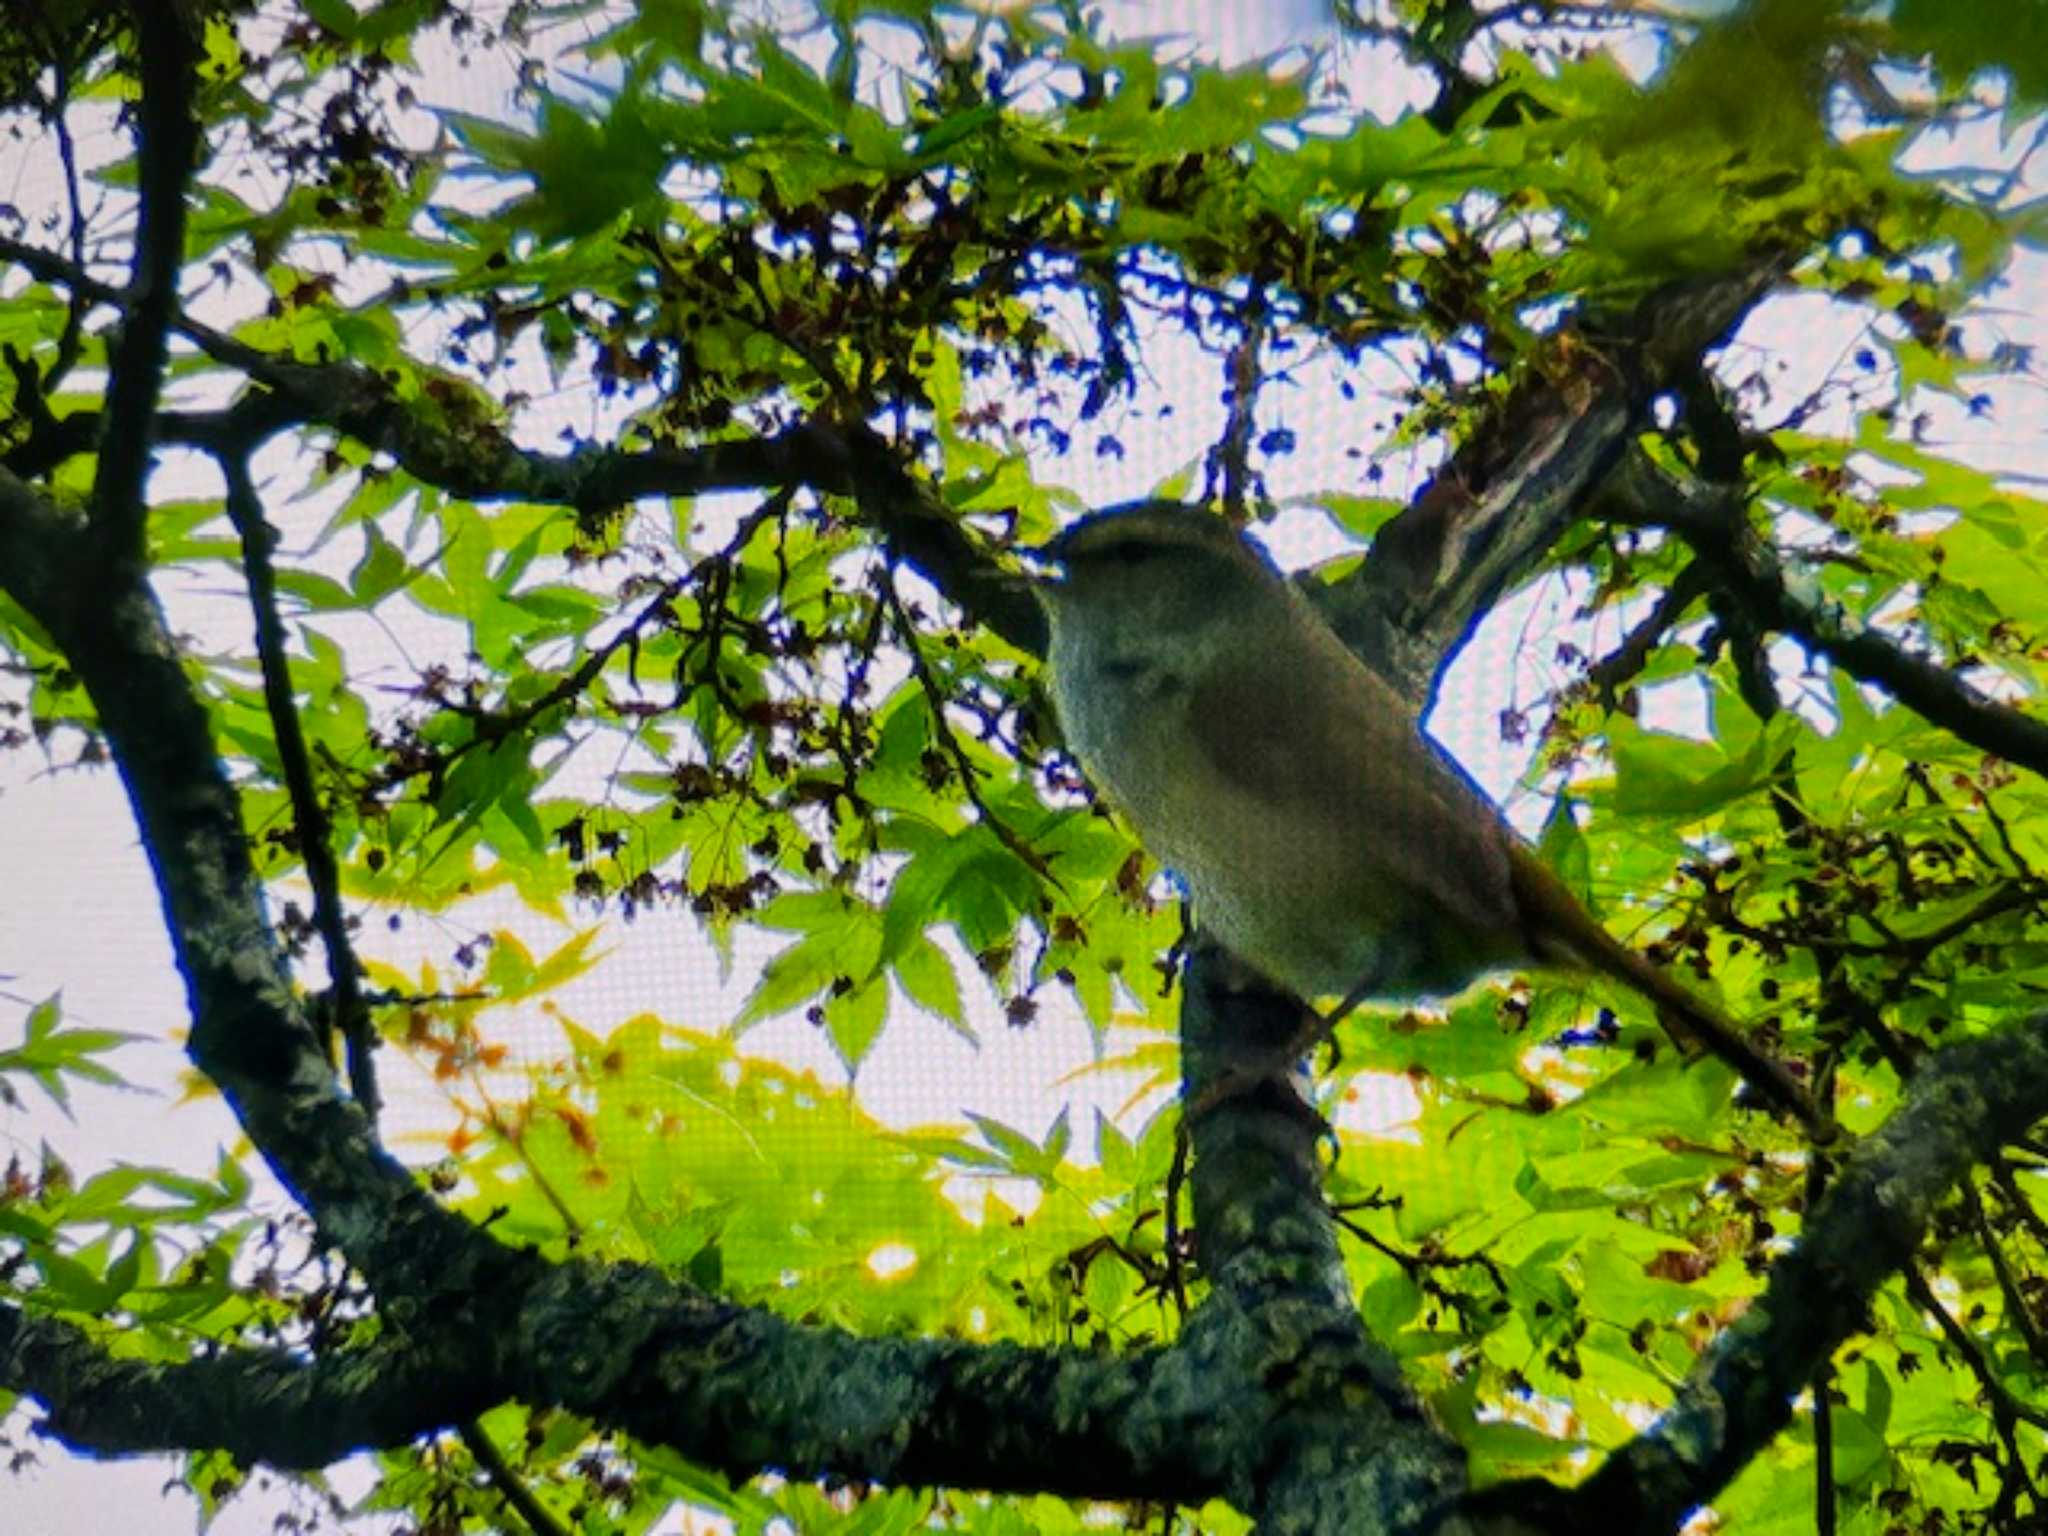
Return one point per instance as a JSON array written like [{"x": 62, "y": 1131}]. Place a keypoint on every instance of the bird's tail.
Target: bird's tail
[{"x": 1562, "y": 932}]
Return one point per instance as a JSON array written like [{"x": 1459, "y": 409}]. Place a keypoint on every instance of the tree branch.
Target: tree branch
[
  {"x": 1341, "y": 1436},
  {"x": 271, "y": 1405},
  {"x": 168, "y": 136},
  {"x": 480, "y": 463},
  {"x": 1521, "y": 479},
  {"x": 350, "y": 1014},
  {"x": 730, "y": 1387},
  {"x": 248, "y": 1033},
  {"x": 38, "y": 549},
  {"x": 1709, "y": 519},
  {"x": 1961, "y": 1106}
]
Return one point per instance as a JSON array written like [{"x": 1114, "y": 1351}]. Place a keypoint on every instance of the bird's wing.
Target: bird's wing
[{"x": 1321, "y": 735}]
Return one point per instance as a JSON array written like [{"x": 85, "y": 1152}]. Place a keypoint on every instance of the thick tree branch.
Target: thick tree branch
[
  {"x": 1522, "y": 479},
  {"x": 38, "y": 547},
  {"x": 1709, "y": 518},
  {"x": 730, "y": 1387},
  {"x": 274, "y": 1406},
  {"x": 168, "y": 54},
  {"x": 1962, "y": 1105},
  {"x": 249, "y": 1034},
  {"x": 1343, "y": 1443}
]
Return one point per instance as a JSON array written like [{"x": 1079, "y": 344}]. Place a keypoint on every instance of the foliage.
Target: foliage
[{"x": 968, "y": 236}]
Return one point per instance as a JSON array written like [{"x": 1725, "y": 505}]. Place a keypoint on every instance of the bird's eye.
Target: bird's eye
[{"x": 1132, "y": 552}]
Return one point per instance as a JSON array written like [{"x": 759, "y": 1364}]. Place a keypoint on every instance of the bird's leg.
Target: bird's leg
[{"x": 1323, "y": 1026}]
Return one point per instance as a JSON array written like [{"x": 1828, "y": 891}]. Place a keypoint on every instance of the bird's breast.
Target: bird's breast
[
  {"x": 1319, "y": 881},
  {"x": 1253, "y": 868}
]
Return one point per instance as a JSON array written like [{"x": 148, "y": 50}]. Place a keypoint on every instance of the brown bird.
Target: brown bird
[{"x": 1324, "y": 839}]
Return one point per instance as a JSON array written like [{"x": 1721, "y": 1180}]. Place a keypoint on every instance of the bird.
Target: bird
[{"x": 1323, "y": 838}]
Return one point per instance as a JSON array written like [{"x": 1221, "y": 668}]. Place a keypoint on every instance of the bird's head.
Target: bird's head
[{"x": 1156, "y": 568}]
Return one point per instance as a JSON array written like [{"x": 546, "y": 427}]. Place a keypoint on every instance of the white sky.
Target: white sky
[{"x": 78, "y": 911}]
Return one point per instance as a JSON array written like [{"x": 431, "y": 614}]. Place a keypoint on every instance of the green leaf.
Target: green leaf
[
  {"x": 1023, "y": 1156},
  {"x": 43, "y": 1018},
  {"x": 1877, "y": 1397},
  {"x": 381, "y": 571},
  {"x": 1965, "y": 37},
  {"x": 337, "y": 16},
  {"x": 49, "y": 1053},
  {"x": 1657, "y": 774},
  {"x": 75, "y": 1286},
  {"x": 126, "y": 1270},
  {"x": 796, "y": 975},
  {"x": 1563, "y": 847},
  {"x": 934, "y": 141},
  {"x": 854, "y": 1021},
  {"x": 916, "y": 894},
  {"x": 928, "y": 979},
  {"x": 1860, "y": 1449},
  {"x": 587, "y": 170}
]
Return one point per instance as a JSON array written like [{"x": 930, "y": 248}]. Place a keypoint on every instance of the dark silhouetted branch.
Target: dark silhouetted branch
[
  {"x": 168, "y": 55},
  {"x": 1709, "y": 519}
]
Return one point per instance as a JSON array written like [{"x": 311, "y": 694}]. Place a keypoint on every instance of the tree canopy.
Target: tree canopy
[{"x": 849, "y": 296}]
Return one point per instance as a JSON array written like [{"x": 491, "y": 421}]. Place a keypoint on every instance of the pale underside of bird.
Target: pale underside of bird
[{"x": 1323, "y": 838}]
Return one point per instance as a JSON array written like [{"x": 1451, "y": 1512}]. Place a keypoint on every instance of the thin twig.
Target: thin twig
[
  {"x": 69, "y": 343},
  {"x": 1621, "y": 665},
  {"x": 2016, "y": 1199},
  {"x": 2005, "y": 837},
  {"x": 1176, "y": 1181},
  {"x": 508, "y": 1482},
  {"x": 1413, "y": 1264},
  {"x": 935, "y": 697},
  {"x": 2016, "y": 1309},
  {"x": 2006, "y": 1409},
  {"x": 1826, "y": 1514},
  {"x": 351, "y": 1014},
  {"x": 1232, "y": 455}
]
